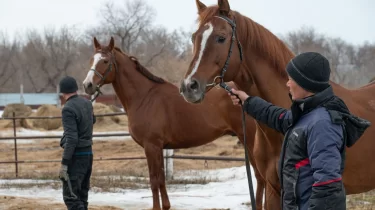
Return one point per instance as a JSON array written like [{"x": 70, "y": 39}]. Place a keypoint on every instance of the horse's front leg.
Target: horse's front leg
[
  {"x": 163, "y": 189},
  {"x": 153, "y": 153},
  {"x": 260, "y": 190}
]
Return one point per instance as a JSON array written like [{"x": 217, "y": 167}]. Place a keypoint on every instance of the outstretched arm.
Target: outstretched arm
[{"x": 275, "y": 117}]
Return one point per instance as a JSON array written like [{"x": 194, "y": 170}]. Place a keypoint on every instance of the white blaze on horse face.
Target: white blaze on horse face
[
  {"x": 206, "y": 34},
  {"x": 90, "y": 74}
]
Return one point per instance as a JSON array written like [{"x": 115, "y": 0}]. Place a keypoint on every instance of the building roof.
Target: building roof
[{"x": 29, "y": 98}]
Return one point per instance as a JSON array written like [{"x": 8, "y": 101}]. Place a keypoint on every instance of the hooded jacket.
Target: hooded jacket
[{"x": 316, "y": 132}]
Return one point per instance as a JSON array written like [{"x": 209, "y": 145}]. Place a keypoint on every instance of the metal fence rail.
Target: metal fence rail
[{"x": 15, "y": 137}]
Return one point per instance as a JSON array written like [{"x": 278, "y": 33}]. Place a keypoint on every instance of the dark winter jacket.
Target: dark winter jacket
[
  {"x": 312, "y": 158},
  {"x": 77, "y": 120}
]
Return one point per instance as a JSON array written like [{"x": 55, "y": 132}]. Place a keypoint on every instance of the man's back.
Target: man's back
[
  {"x": 83, "y": 110},
  {"x": 78, "y": 120}
]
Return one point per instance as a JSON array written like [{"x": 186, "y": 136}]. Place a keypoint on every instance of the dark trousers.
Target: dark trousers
[{"x": 79, "y": 174}]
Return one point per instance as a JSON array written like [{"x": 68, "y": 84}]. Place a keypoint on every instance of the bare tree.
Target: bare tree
[
  {"x": 166, "y": 54},
  {"x": 345, "y": 61},
  {"x": 339, "y": 61},
  {"x": 34, "y": 61},
  {"x": 305, "y": 39},
  {"x": 8, "y": 54},
  {"x": 49, "y": 56},
  {"x": 127, "y": 22}
]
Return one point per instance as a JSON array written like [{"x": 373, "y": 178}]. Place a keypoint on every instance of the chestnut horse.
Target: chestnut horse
[
  {"x": 258, "y": 58},
  {"x": 159, "y": 118}
]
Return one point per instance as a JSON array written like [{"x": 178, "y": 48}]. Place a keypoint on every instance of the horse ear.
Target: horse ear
[
  {"x": 111, "y": 44},
  {"x": 200, "y": 6},
  {"x": 223, "y": 7},
  {"x": 96, "y": 44}
]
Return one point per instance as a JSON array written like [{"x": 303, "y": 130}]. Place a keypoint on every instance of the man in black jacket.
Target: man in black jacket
[
  {"x": 316, "y": 129},
  {"x": 77, "y": 158}
]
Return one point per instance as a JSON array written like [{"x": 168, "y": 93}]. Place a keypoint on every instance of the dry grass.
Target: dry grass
[
  {"x": 363, "y": 201},
  {"x": 46, "y": 110}
]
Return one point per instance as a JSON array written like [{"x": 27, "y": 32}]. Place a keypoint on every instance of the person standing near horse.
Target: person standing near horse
[
  {"x": 317, "y": 128},
  {"x": 77, "y": 158}
]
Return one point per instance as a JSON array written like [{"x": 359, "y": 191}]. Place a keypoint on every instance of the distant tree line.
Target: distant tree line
[{"x": 39, "y": 60}]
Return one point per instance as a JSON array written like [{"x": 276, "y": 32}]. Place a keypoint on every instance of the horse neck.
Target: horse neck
[
  {"x": 264, "y": 69},
  {"x": 130, "y": 85},
  {"x": 269, "y": 84}
]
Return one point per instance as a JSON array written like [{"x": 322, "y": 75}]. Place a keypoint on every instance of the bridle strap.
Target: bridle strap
[
  {"x": 104, "y": 76},
  {"x": 232, "y": 23}
]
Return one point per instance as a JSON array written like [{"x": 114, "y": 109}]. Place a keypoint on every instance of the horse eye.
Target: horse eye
[{"x": 220, "y": 39}]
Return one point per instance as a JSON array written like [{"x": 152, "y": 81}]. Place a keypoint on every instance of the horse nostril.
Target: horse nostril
[
  {"x": 194, "y": 85},
  {"x": 89, "y": 85}
]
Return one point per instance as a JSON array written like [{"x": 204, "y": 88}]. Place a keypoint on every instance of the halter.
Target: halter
[
  {"x": 104, "y": 76},
  {"x": 232, "y": 23}
]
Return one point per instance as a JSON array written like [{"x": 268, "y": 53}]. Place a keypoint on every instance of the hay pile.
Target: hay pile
[
  {"x": 118, "y": 122},
  {"x": 46, "y": 110},
  {"x": 107, "y": 123},
  {"x": 20, "y": 110}
]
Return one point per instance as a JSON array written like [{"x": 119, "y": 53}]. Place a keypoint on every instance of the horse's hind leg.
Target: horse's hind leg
[
  {"x": 259, "y": 191},
  {"x": 154, "y": 167},
  {"x": 272, "y": 198},
  {"x": 163, "y": 189}
]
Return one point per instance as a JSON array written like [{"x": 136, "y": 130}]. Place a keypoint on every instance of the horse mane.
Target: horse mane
[
  {"x": 255, "y": 36},
  {"x": 143, "y": 70}
]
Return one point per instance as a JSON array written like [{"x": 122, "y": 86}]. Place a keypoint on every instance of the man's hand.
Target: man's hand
[
  {"x": 63, "y": 174},
  {"x": 242, "y": 95}
]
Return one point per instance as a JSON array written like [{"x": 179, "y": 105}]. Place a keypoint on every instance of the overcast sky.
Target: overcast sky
[{"x": 351, "y": 20}]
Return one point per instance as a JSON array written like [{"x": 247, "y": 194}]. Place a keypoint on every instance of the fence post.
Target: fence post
[
  {"x": 15, "y": 143},
  {"x": 168, "y": 163}
]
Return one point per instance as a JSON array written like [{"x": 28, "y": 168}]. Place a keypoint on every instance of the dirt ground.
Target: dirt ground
[
  {"x": 21, "y": 203},
  {"x": 121, "y": 147},
  {"x": 49, "y": 149}
]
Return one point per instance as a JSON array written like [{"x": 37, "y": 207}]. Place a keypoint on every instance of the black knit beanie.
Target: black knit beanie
[
  {"x": 310, "y": 70},
  {"x": 68, "y": 85}
]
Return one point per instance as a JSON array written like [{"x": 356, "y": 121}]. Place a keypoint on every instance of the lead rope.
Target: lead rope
[{"x": 248, "y": 171}]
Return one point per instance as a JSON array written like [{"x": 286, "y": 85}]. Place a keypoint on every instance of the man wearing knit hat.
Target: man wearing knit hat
[
  {"x": 316, "y": 129},
  {"x": 77, "y": 158}
]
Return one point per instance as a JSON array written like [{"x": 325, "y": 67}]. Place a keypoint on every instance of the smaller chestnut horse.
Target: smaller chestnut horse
[{"x": 159, "y": 118}]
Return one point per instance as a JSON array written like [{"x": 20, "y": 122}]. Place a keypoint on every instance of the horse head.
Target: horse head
[
  {"x": 217, "y": 52},
  {"x": 103, "y": 67}
]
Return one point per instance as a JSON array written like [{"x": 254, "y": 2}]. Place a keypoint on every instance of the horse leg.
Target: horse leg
[
  {"x": 163, "y": 189},
  {"x": 260, "y": 188},
  {"x": 154, "y": 166},
  {"x": 259, "y": 178},
  {"x": 259, "y": 193},
  {"x": 272, "y": 198}
]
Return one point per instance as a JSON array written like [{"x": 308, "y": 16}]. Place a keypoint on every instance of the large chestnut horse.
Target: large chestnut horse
[
  {"x": 258, "y": 58},
  {"x": 158, "y": 115}
]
